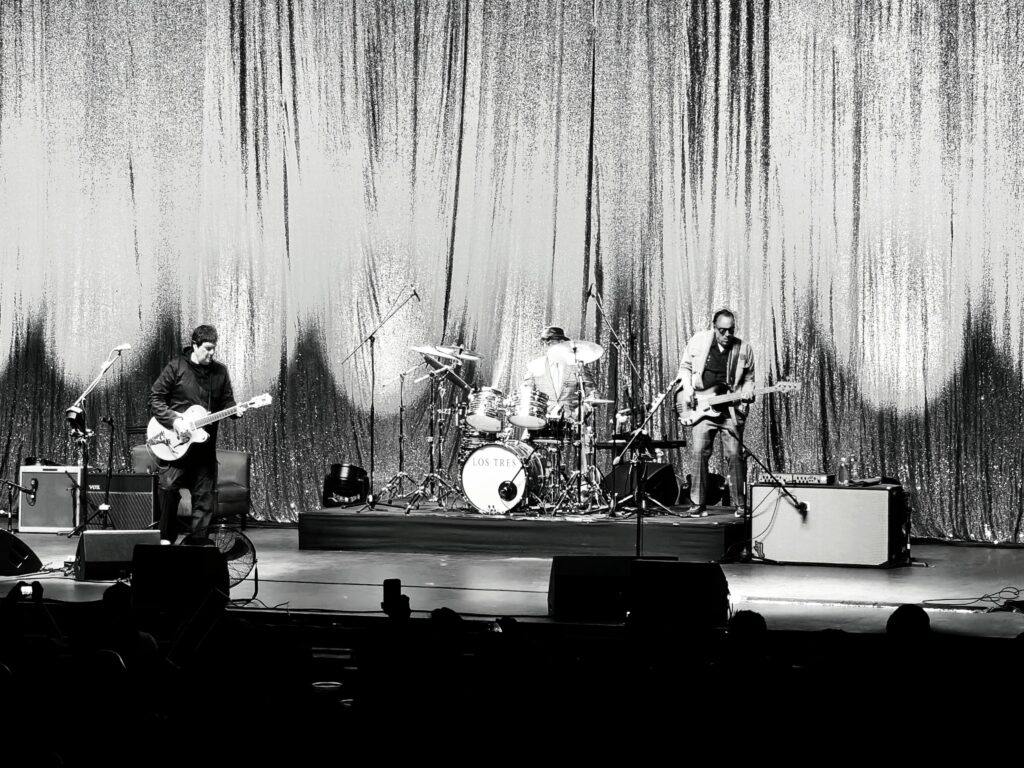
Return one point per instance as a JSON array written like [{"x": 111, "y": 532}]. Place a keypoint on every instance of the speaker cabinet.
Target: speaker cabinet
[
  {"x": 133, "y": 501},
  {"x": 659, "y": 483},
  {"x": 841, "y": 525},
  {"x": 106, "y": 555},
  {"x": 54, "y": 508},
  {"x": 16, "y": 557},
  {"x": 176, "y": 580},
  {"x": 649, "y": 590}
]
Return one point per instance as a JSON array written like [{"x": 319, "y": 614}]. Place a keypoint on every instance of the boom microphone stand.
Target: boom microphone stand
[
  {"x": 103, "y": 509},
  {"x": 75, "y": 415},
  {"x": 640, "y": 463},
  {"x": 393, "y": 487},
  {"x": 371, "y": 499},
  {"x": 800, "y": 506},
  {"x": 11, "y": 488}
]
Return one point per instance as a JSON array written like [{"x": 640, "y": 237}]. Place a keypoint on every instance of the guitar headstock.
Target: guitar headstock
[
  {"x": 259, "y": 401},
  {"x": 788, "y": 386}
]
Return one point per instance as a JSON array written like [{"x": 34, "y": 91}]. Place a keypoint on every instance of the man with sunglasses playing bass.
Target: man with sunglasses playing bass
[{"x": 716, "y": 361}]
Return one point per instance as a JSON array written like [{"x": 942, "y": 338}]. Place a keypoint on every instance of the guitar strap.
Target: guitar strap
[{"x": 730, "y": 366}]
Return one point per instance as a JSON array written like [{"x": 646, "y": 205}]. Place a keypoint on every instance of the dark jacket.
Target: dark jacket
[{"x": 182, "y": 384}]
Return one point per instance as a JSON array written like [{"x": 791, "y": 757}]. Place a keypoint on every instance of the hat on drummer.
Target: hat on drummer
[{"x": 553, "y": 333}]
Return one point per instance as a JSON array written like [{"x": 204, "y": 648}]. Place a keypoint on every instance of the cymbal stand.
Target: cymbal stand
[
  {"x": 393, "y": 487},
  {"x": 583, "y": 469},
  {"x": 439, "y": 486}
]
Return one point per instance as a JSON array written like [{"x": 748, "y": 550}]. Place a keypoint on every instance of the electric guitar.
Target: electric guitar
[
  {"x": 171, "y": 445},
  {"x": 703, "y": 406}
]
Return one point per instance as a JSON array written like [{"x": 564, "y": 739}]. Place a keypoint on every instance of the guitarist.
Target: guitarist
[
  {"x": 716, "y": 361},
  {"x": 192, "y": 378}
]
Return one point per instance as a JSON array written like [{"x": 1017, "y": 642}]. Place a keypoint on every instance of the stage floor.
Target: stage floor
[{"x": 949, "y": 580}]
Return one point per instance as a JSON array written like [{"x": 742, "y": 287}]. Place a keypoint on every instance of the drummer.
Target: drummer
[{"x": 558, "y": 380}]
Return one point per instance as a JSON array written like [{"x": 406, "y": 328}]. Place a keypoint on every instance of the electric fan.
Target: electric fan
[{"x": 238, "y": 551}]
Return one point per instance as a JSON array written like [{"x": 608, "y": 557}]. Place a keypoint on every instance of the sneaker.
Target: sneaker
[
  {"x": 740, "y": 512},
  {"x": 698, "y": 511}
]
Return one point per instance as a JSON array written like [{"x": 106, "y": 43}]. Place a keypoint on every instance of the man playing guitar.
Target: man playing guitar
[
  {"x": 715, "y": 362},
  {"x": 192, "y": 378}
]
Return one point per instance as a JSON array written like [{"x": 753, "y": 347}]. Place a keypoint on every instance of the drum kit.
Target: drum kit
[{"x": 514, "y": 453}]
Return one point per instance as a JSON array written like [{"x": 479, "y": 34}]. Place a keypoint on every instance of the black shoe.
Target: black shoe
[{"x": 698, "y": 510}]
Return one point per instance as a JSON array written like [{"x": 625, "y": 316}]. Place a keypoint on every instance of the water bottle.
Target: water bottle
[{"x": 843, "y": 475}]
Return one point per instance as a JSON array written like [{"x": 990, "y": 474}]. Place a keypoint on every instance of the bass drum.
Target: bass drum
[{"x": 498, "y": 477}]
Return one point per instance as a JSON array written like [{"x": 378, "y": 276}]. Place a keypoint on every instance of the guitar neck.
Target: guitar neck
[
  {"x": 212, "y": 417},
  {"x": 719, "y": 399}
]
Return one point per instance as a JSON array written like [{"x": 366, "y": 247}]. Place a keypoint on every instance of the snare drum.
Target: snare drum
[
  {"x": 484, "y": 412},
  {"x": 528, "y": 408},
  {"x": 497, "y": 478}
]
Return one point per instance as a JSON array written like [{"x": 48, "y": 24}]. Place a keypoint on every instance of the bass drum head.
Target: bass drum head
[{"x": 495, "y": 468}]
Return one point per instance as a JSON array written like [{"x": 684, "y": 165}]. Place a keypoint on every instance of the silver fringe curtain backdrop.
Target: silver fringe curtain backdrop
[{"x": 846, "y": 175}]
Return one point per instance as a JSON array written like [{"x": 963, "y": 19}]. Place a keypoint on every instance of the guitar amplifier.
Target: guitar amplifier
[
  {"x": 53, "y": 507},
  {"x": 841, "y": 525},
  {"x": 133, "y": 501}
]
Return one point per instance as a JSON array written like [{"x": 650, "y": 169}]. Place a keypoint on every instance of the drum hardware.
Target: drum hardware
[
  {"x": 435, "y": 486},
  {"x": 393, "y": 488}
]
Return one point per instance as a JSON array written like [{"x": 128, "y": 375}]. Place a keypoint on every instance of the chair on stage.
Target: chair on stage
[{"x": 231, "y": 498}]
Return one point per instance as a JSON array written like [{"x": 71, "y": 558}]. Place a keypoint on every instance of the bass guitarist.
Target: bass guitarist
[
  {"x": 192, "y": 378},
  {"x": 715, "y": 361}
]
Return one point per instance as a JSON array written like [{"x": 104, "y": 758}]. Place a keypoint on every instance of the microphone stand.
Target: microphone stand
[
  {"x": 103, "y": 508},
  {"x": 639, "y": 462},
  {"x": 75, "y": 415},
  {"x": 800, "y": 506},
  {"x": 395, "y": 483},
  {"x": 371, "y": 499},
  {"x": 11, "y": 488}
]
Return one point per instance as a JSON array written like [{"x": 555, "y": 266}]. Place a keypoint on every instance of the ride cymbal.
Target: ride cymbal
[{"x": 575, "y": 351}]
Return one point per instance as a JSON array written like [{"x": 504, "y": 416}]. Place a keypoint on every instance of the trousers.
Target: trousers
[
  {"x": 196, "y": 471},
  {"x": 702, "y": 443}
]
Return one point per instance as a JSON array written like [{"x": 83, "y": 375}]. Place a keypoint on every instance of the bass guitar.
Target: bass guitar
[
  {"x": 703, "y": 405},
  {"x": 171, "y": 445}
]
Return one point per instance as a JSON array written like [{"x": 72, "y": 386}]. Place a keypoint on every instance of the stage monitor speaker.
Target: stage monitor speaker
[
  {"x": 54, "y": 506},
  {"x": 842, "y": 525},
  {"x": 649, "y": 590},
  {"x": 678, "y": 594},
  {"x": 133, "y": 500},
  {"x": 176, "y": 579},
  {"x": 16, "y": 557},
  {"x": 107, "y": 555},
  {"x": 660, "y": 483},
  {"x": 589, "y": 587}
]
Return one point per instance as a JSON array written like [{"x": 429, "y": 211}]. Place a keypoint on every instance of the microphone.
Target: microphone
[
  {"x": 507, "y": 491},
  {"x": 122, "y": 347},
  {"x": 34, "y": 485},
  {"x": 801, "y": 507},
  {"x": 414, "y": 292}
]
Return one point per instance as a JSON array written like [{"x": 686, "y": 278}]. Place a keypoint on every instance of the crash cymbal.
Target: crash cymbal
[
  {"x": 435, "y": 351},
  {"x": 575, "y": 351}
]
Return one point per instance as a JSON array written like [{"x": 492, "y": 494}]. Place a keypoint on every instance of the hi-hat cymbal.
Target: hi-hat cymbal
[
  {"x": 435, "y": 351},
  {"x": 460, "y": 352},
  {"x": 575, "y": 351}
]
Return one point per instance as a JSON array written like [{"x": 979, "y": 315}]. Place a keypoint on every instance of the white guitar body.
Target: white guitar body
[
  {"x": 703, "y": 406},
  {"x": 171, "y": 445}
]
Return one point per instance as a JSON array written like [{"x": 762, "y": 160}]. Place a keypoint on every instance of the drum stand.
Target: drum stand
[
  {"x": 595, "y": 495},
  {"x": 439, "y": 486}
]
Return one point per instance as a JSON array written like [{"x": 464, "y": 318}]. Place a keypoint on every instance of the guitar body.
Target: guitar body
[
  {"x": 702, "y": 408},
  {"x": 706, "y": 403},
  {"x": 168, "y": 445}
]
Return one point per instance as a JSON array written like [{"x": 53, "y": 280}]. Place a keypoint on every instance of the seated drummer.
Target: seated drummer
[{"x": 559, "y": 381}]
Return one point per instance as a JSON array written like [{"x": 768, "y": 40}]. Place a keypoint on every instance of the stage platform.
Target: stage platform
[
  {"x": 718, "y": 537},
  {"x": 951, "y": 581}
]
